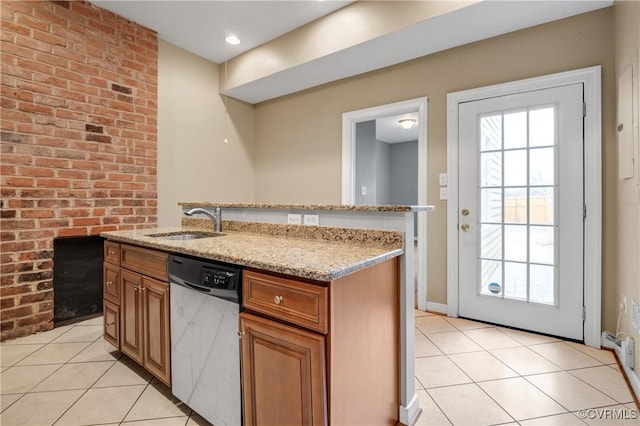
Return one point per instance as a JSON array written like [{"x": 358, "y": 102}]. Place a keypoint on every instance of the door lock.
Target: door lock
[{"x": 465, "y": 212}]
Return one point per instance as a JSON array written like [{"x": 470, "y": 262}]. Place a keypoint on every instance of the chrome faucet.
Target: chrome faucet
[{"x": 216, "y": 217}]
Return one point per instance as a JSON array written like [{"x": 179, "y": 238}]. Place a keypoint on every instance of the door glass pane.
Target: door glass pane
[
  {"x": 515, "y": 130},
  {"x": 515, "y": 205},
  {"x": 491, "y": 169},
  {"x": 515, "y": 168},
  {"x": 517, "y": 191},
  {"x": 541, "y": 249},
  {"x": 541, "y": 166},
  {"x": 542, "y": 284},
  {"x": 542, "y": 127},
  {"x": 515, "y": 280},
  {"x": 491, "y": 278},
  {"x": 491, "y": 210},
  {"x": 541, "y": 209},
  {"x": 491, "y": 237},
  {"x": 515, "y": 243},
  {"x": 491, "y": 133}
]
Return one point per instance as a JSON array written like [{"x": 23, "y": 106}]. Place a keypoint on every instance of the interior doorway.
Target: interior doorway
[{"x": 373, "y": 140}]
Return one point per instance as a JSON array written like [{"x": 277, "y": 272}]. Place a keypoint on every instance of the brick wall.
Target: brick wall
[{"x": 78, "y": 139}]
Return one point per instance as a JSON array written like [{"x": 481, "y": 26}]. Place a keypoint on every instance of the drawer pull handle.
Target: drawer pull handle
[
  {"x": 110, "y": 324},
  {"x": 278, "y": 299},
  {"x": 109, "y": 283},
  {"x": 111, "y": 253}
]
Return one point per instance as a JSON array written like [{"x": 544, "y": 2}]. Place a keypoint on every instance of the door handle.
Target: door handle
[{"x": 466, "y": 227}]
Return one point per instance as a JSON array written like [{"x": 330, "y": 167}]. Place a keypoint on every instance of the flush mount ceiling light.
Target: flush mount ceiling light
[
  {"x": 407, "y": 123},
  {"x": 231, "y": 39}
]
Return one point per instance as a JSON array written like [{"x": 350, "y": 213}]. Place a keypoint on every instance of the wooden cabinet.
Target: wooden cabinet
[
  {"x": 318, "y": 353},
  {"x": 111, "y": 287},
  {"x": 131, "y": 315},
  {"x": 285, "y": 384},
  {"x": 111, "y": 314},
  {"x": 111, "y": 293},
  {"x": 139, "y": 305},
  {"x": 156, "y": 328}
]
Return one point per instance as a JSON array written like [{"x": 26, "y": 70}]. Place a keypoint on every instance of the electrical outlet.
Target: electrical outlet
[
  {"x": 311, "y": 219},
  {"x": 443, "y": 193},
  {"x": 294, "y": 219}
]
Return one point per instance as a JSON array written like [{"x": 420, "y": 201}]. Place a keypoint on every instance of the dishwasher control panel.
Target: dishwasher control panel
[
  {"x": 216, "y": 278},
  {"x": 212, "y": 278}
]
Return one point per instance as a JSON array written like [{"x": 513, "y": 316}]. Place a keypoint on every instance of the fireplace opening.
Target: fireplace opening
[{"x": 77, "y": 278}]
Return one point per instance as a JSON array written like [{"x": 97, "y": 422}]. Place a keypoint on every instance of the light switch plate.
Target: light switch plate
[
  {"x": 294, "y": 219},
  {"x": 311, "y": 219},
  {"x": 443, "y": 179}
]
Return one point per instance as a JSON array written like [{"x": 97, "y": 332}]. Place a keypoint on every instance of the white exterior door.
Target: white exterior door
[{"x": 520, "y": 198}]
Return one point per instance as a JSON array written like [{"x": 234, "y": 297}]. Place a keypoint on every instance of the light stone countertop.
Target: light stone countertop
[
  {"x": 328, "y": 207},
  {"x": 305, "y": 258}
]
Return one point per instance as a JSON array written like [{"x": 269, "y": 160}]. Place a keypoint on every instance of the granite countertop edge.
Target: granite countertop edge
[
  {"x": 207, "y": 248},
  {"x": 320, "y": 207}
]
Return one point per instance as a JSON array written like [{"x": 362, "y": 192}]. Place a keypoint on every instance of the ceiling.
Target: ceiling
[
  {"x": 389, "y": 130},
  {"x": 200, "y": 26}
]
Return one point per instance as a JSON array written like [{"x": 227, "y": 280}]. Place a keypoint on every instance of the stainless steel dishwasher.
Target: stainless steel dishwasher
[{"x": 205, "y": 348}]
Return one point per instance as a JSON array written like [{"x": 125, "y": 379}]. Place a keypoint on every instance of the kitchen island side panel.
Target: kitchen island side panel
[{"x": 364, "y": 346}]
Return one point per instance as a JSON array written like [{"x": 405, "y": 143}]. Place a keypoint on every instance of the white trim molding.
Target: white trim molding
[
  {"x": 349, "y": 121},
  {"x": 591, "y": 78}
]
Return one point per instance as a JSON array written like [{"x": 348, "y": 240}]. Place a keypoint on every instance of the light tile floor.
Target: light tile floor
[
  {"x": 467, "y": 373},
  {"x": 470, "y": 373},
  {"x": 71, "y": 376}
]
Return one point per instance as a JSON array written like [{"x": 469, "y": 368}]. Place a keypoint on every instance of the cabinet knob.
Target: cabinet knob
[
  {"x": 111, "y": 253},
  {"x": 278, "y": 299},
  {"x": 109, "y": 283}
]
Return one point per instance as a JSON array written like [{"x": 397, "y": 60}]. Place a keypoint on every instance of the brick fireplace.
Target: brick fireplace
[{"x": 78, "y": 138}]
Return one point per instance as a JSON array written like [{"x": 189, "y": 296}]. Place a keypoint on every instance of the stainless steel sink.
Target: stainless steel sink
[{"x": 186, "y": 235}]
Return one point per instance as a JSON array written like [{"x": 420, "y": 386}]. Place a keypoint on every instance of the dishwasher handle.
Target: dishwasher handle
[{"x": 193, "y": 286}]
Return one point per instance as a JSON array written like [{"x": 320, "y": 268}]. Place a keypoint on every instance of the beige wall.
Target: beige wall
[
  {"x": 194, "y": 164},
  {"x": 627, "y": 214},
  {"x": 298, "y": 137}
]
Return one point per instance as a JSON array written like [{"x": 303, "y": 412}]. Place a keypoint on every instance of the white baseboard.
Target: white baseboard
[{"x": 440, "y": 308}]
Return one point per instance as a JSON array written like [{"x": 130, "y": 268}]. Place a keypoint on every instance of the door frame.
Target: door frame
[
  {"x": 591, "y": 78},
  {"x": 349, "y": 121}
]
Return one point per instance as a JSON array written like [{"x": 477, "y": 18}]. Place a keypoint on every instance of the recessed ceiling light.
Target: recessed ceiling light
[{"x": 231, "y": 39}]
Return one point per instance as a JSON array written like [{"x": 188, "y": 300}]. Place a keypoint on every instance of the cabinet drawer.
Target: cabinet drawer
[
  {"x": 112, "y": 252},
  {"x": 144, "y": 261},
  {"x": 111, "y": 287},
  {"x": 111, "y": 323},
  {"x": 293, "y": 301}
]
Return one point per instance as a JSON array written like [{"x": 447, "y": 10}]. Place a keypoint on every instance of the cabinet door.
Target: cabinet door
[
  {"x": 111, "y": 323},
  {"x": 283, "y": 374},
  {"x": 131, "y": 315},
  {"x": 111, "y": 285},
  {"x": 157, "y": 342}
]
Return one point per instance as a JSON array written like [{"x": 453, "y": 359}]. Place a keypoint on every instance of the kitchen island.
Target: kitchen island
[{"x": 344, "y": 296}]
